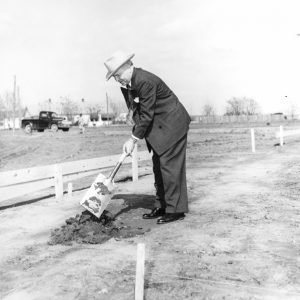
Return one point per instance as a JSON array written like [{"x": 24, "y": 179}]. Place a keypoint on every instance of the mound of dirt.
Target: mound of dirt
[{"x": 86, "y": 228}]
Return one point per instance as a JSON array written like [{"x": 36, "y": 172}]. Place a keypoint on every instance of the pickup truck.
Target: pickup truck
[{"x": 45, "y": 120}]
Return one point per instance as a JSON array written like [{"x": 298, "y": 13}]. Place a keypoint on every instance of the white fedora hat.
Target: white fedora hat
[{"x": 114, "y": 63}]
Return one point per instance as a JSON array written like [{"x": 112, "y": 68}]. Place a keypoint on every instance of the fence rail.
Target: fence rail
[
  {"x": 24, "y": 181},
  {"x": 243, "y": 118}
]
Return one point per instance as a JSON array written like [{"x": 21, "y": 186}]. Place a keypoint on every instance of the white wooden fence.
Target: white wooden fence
[
  {"x": 283, "y": 133},
  {"x": 243, "y": 119},
  {"x": 280, "y": 134},
  {"x": 24, "y": 181}
]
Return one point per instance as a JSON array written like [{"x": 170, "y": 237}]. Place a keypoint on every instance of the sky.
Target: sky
[{"x": 207, "y": 51}]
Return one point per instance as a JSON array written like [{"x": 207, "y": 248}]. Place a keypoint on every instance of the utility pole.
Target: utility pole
[
  {"x": 18, "y": 97},
  {"x": 82, "y": 110},
  {"x": 18, "y": 102},
  {"x": 14, "y": 105},
  {"x": 107, "y": 118}
]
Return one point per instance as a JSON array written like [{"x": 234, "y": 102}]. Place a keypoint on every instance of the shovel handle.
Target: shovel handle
[{"x": 118, "y": 165}]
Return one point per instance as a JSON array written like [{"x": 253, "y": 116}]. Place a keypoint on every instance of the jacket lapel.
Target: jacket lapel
[
  {"x": 129, "y": 96},
  {"x": 126, "y": 97},
  {"x": 133, "y": 79}
]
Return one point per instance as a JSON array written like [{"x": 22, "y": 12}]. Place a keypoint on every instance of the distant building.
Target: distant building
[
  {"x": 10, "y": 119},
  {"x": 107, "y": 118}
]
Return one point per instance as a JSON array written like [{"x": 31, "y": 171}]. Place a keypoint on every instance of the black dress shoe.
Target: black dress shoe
[
  {"x": 167, "y": 218},
  {"x": 155, "y": 213}
]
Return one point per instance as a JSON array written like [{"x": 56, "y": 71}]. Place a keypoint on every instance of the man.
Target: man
[
  {"x": 81, "y": 124},
  {"x": 162, "y": 120}
]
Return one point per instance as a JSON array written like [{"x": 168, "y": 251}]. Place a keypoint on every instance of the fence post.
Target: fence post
[
  {"x": 252, "y": 140},
  {"x": 70, "y": 190},
  {"x": 135, "y": 167},
  {"x": 281, "y": 135},
  {"x": 58, "y": 180},
  {"x": 139, "y": 276}
]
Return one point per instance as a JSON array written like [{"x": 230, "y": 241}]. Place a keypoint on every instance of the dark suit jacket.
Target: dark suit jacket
[{"x": 159, "y": 116}]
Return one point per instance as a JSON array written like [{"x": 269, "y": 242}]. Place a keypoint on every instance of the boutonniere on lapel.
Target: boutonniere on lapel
[{"x": 136, "y": 100}]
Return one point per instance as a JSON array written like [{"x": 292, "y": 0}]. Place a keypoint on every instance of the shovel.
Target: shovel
[{"x": 99, "y": 194}]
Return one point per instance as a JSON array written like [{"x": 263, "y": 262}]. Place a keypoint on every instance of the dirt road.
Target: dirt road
[{"x": 240, "y": 240}]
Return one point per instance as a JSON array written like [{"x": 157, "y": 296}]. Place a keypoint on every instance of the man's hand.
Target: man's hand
[{"x": 129, "y": 145}]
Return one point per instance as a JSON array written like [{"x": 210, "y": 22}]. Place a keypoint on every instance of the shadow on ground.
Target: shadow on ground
[{"x": 134, "y": 202}]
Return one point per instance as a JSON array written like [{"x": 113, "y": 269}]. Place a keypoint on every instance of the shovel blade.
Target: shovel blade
[{"x": 98, "y": 196}]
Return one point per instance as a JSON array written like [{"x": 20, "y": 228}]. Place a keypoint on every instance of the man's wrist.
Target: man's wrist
[{"x": 134, "y": 140}]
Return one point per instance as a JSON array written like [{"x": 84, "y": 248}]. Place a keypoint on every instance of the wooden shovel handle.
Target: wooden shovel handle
[{"x": 118, "y": 165}]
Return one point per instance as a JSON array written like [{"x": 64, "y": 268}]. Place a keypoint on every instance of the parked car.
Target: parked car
[
  {"x": 121, "y": 119},
  {"x": 45, "y": 120},
  {"x": 66, "y": 121}
]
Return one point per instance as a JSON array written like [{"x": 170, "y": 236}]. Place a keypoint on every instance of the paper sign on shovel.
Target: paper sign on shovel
[{"x": 99, "y": 194}]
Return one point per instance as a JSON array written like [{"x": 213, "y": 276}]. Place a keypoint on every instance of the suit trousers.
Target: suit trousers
[{"x": 169, "y": 171}]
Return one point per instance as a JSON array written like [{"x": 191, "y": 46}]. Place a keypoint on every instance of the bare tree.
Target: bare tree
[
  {"x": 10, "y": 107},
  {"x": 95, "y": 109},
  {"x": 68, "y": 106},
  {"x": 208, "y": 110},
  {"x": 8, "y": 101},
  {"x": 2, "y": 103},
  {"x": 242, "y": 106},
  {"x": 65, "y": 105},
  {"x": 251, "y": 107},
  {"x": 293, "y": 107},
  {"x": 234, "y": 107},
  {"x": 8, "y": 104},
  {"x": 293, "y": 110},
  {"x": 2, "y": 108}
]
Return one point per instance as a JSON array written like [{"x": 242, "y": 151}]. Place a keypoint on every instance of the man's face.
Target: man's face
[{"x": 123, "y": 76}]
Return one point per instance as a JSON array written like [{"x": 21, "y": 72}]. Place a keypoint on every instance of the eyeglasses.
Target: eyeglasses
[{"x": 116, "y": 76}]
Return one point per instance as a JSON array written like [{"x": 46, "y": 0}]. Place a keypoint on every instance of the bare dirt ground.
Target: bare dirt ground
[{"x": 240, "y": 239}]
